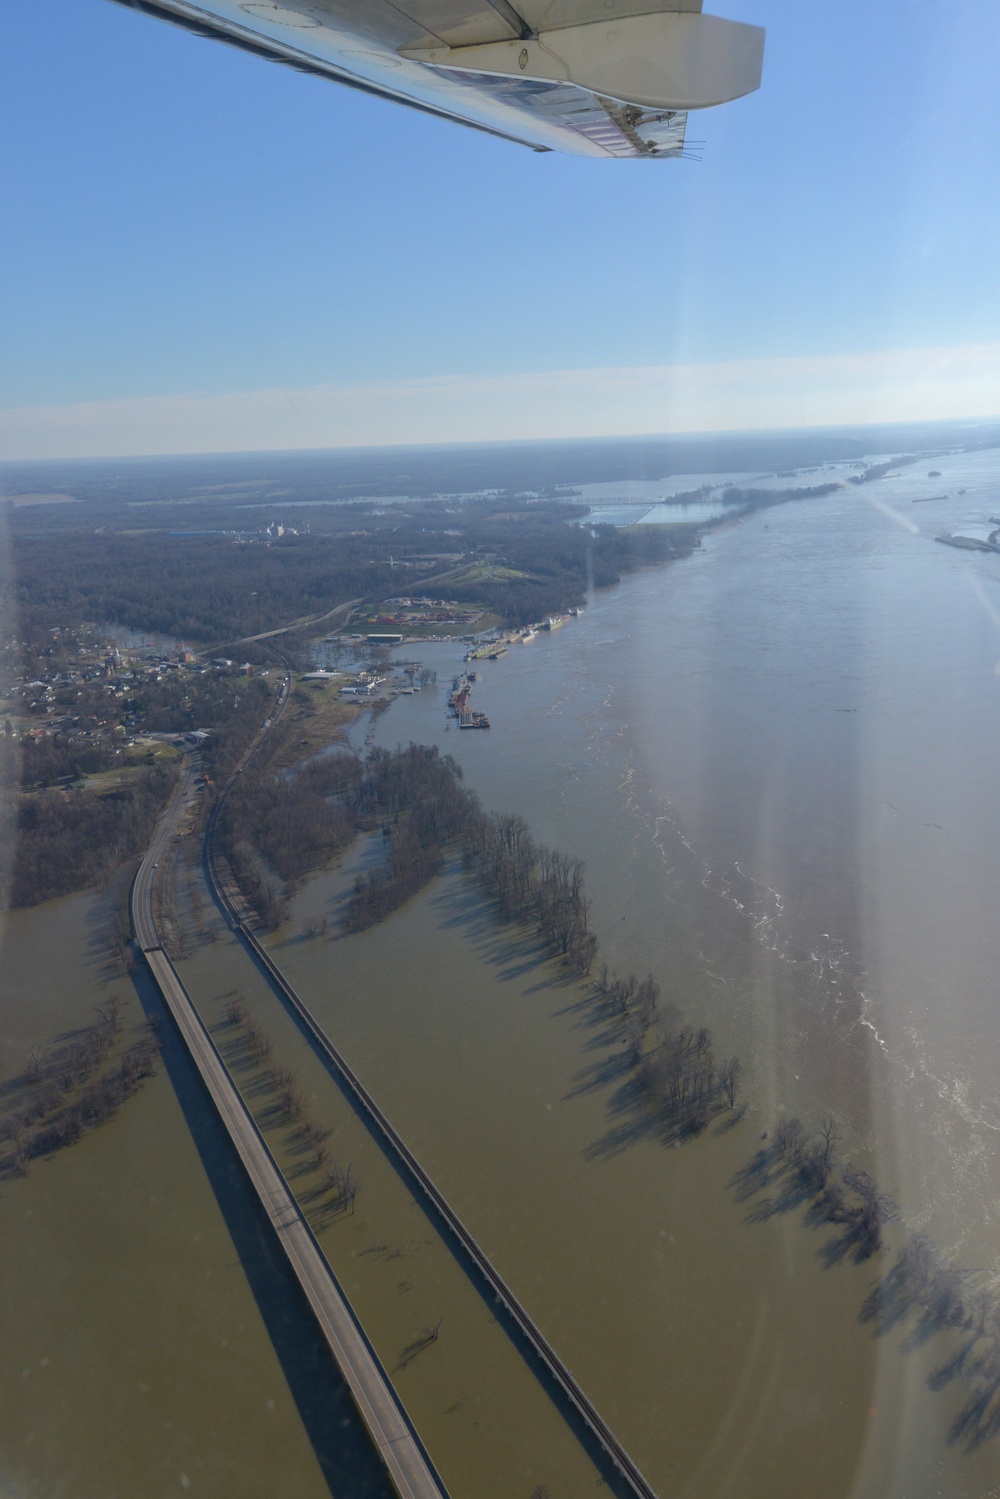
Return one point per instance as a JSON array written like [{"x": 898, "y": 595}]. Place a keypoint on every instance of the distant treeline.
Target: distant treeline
[
  {"x": 562, "y": 561},
  {"x": 199, "y": 588},
  {"x": 879, "y": 470},
  {"x": 215, "y": 589},
  {"x": 184, "y": 491},
  {"x": 760, "y": 499},
  {"x": 66, "y": 840}
]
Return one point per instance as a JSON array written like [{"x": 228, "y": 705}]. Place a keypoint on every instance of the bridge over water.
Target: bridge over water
[
  {"x": 631, "y": 1478},
  {"x": 408, "y": 1465}
]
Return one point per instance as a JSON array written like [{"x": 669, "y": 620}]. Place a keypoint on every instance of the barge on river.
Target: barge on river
[{"x": 458, "y": 702}]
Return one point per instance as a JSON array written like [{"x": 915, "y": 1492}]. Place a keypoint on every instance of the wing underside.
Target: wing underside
[{"x": 429, "y": 55}]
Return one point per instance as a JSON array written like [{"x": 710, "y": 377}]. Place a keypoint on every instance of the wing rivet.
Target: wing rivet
[{"x": 522, "y": 60}]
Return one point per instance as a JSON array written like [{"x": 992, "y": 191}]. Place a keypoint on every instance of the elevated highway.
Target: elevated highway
[
  {"x": 408, "y": 1466},
  {"x": 232, "y": 902}
]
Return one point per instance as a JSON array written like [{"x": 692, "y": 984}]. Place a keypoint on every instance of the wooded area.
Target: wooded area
[
  {"x": 66, "y": 840},
  {"x": 278, "y": 825},
  {"x": 66, "y": 836},
  {"x": 215, "y": 588}
]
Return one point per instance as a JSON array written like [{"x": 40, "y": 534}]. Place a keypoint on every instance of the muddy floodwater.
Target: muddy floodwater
[
  {"x": 778, "y": 760},
  {"x": 489, "y": 1424},
  {"x": 135, "y": 1359}
]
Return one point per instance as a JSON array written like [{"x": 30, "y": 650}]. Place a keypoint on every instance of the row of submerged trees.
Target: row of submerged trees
[
  {"x": 290, "y": 1109},
  {"x": 276, "y": 826},
  {"x": 418, "y": 796},
  {"x": 68, "y": 1089},
  {"x": 676, "y": 1068},
  {"x": 801, "y": 1169},
  {"x": 530, "y": 883}
]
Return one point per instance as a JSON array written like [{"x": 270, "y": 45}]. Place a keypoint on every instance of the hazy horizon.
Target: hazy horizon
[{"x": 687, "y": 451}]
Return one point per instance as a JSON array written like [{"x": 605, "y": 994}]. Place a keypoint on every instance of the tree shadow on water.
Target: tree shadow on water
[
  {"x": 413, "y": 1350},
  {"x": 347, "y": 1458},
  {"x": 922, "y": 1294},
  {"x": 514, "y": 950},
  {"x": 635, "y": 1122},
  {"x": 925, "y": 1293}
]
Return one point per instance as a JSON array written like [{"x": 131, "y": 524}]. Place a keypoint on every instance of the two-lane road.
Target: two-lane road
[{"x": 143, "y": 922}]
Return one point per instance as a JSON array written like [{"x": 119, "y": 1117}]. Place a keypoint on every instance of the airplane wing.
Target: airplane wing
[{"x": 603, "y": 78}]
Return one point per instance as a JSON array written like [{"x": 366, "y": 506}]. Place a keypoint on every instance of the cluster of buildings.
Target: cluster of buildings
[
  {"x": 364, "y": 684},
  {"x": 80, "y": 701},
  {"x": 409, "y": 614},
  {"x": 273, "y": 531}
]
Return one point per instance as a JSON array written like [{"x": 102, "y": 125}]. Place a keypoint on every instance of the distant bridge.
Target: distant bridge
[{"x": 636, "y": 502}]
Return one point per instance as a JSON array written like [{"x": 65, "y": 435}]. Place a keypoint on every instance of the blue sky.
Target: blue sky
[{"x": 186, "y": 221}]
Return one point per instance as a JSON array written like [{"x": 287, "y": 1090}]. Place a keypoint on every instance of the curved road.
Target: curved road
[{"x": 408, "y": 1466}]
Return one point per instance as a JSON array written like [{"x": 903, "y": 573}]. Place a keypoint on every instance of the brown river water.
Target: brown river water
[
  {"x": 777, "y": 759},
  {"x": 135, "y": 1360}
]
